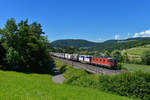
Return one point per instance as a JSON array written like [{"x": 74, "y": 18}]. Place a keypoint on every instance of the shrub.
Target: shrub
[
  {"x": 146, "y": 57},
  {"x": 119, "y": 66},
  {"x": 117, "y": 55},
  {"x": 135, "y": 84},
  {"x": 83, "y": 81}
]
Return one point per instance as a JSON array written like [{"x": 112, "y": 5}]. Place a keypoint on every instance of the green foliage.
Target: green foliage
[
  {"x": 12, "y": 58},
  {"x": 11, "y": 26},
  {"x": 119, "y": 66},
  {"x": 117, "y": 55},
  {"x": 40, "y": 87},
  {"x": 146, "y": 57},
  {"x": 106, "y": 53},
  {"x": 125, "y": 57},
  {"x": 135, "y": 84},
  {"x": 27, "y": 50}
]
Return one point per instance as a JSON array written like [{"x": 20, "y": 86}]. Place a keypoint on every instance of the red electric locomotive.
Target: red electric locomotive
[{"x": 104, "y": 61}]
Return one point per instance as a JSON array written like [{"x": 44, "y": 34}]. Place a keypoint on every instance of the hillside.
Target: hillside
[
  {"x": 106, "y": 45},
  {"x": 21, "y": 86},
  {"x": 76, "y": 43},
  {"x": 137, "y": 50},
  {"x": 120, "y": 45}
]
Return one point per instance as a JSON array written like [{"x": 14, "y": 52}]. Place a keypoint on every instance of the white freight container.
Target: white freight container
[
  {"x": 87, "y": 59},
  {"x": 81, "y": 58},
  {"x": 67, "y": 56}
]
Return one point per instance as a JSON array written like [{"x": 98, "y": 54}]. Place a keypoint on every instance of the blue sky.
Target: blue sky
[{"x": 94, "y": 20}]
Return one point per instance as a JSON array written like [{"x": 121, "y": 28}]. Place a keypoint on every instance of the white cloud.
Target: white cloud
[
  {"x": 117, "y": 37},
  {"x": 136, "y": 35},
  {"x": 142, "y": 34}
]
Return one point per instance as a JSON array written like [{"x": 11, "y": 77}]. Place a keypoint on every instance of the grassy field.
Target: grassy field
[
  {"x": 20, "y": 86},
  {"x": 138, "y": 50},
  {"x": 136, "y": 67}
]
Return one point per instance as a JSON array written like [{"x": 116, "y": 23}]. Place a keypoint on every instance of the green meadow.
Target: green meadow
[
  {"x": 137, "y": 67},
  {"x": 21, "y": 86},
  {"x": 138, "y": 50}
]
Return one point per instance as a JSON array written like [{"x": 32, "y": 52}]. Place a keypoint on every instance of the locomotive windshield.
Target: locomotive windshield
[{"x": 110, "y": 60}]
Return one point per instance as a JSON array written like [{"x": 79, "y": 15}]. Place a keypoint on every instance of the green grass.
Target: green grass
[
  {"x": 70, "y": 71},
  {"x": 20, "y": 86},
  {"x": 136, "y": 67},
  {"x": 138, "y": 50}
]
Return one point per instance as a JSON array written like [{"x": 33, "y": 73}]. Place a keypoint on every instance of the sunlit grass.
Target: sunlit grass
[
  {"x": 136, "y": 67},
  {"x": 20, "y": 86}
]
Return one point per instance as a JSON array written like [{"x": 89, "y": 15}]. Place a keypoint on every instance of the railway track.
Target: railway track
[{"x": 90, "y": 68}]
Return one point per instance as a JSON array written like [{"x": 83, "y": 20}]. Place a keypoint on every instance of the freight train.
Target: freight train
[{"x": 103, "y": 61}]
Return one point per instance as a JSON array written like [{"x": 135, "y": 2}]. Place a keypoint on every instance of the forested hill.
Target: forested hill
[
  {"x": 106, "y": 45},
  {"x": 119, "y": 45},
  {"x": 76, "y": 43}
]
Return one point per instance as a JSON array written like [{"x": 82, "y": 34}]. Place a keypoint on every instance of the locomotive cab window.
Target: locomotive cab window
[{"x": 110, "y": 60}]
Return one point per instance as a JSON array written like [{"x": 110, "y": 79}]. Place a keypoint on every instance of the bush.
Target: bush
[
  {"x": 117, "y": 55},
  {"x": 135, "y": 84},
  {"x": 83, "y": 81},
  {"x": 119, "y": 66},
  {"x": 146, "y": 57}
]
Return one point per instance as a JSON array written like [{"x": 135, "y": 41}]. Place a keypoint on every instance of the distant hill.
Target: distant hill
[
  {"x": 106, "y": 45},
  {"x": 76, "y": 43},
  {"x": 111, "y": 45}
]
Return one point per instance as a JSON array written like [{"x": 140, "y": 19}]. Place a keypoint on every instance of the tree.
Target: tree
[
  {"x": 117, "y": 55},
  {"x": 146, "y": 57},
  {"x": 26, "y": 49},
  {"x": 36, "y": 29},
  {"x": 106, "y": 53},
  {"x": 125, "y": 57},
  {"x": 10, "y": 26}
]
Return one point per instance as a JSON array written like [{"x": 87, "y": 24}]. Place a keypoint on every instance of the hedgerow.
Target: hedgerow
[{"x": 135, "y": 84}]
